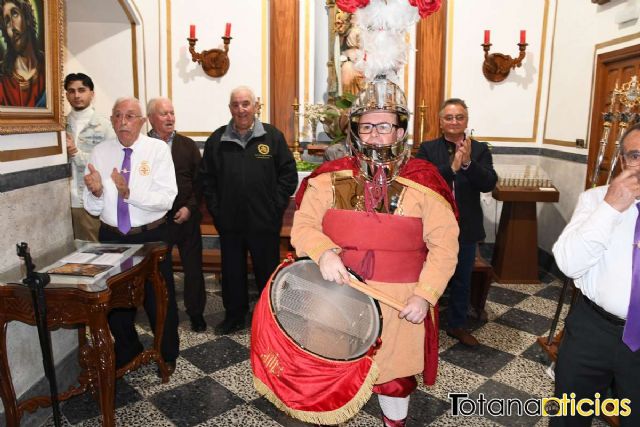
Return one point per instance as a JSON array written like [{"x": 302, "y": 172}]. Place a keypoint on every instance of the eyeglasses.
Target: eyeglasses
[
  {"x": 450, "y": 118},
  {"x": 127, "y": 117},
  {"x": 382, "y": 128},
  {"x": 632, "y": 158}
]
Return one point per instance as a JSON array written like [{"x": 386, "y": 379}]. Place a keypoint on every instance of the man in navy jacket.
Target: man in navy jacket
[{"x": 467, "y": 166}]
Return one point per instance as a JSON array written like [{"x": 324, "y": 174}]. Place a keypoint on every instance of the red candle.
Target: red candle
[
  {"x": 227, "y": 30},
  {"x": 192, "y": 31},
  {"x": 486, "y": 36},
  {"x": 523, "y": 36}
]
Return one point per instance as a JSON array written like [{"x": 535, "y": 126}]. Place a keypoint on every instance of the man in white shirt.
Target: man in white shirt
[
  {"x": 84, "y": 130},
  {"x": 596, "y": 249},
  {"x": 131, "y": 184}
]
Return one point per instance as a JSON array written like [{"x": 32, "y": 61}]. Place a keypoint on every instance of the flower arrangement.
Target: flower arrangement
[
  {"x": 334, "y": 117},
  {"x": 315, "y": 112}
]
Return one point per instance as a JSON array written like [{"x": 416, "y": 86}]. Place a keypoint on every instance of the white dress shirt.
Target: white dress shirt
[
  {"x": 595, "y": 249},
  {"x": 152, "y": 182}
]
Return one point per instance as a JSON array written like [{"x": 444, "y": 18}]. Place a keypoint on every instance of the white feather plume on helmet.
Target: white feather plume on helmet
[{"x": 383, "y": 26}]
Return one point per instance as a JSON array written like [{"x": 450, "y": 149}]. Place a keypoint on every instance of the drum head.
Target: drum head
[{"x": 327, "y": 319}]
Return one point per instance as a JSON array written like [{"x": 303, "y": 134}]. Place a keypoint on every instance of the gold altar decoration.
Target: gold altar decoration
[
  {"x": 623, "y": 109},
  {"x": 296, "y": 131}
]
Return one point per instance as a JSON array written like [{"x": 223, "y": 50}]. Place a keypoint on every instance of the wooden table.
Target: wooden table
[
  {"x": 515, "y": 255},
  {"x": 70, "y": 305}
]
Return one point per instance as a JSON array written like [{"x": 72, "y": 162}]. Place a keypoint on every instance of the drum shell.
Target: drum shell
[{"x": 304, "y": 385}]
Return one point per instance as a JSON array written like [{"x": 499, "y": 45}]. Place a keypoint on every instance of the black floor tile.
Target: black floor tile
[
  {"x": 277, "y": 415},
  {"x": 525, "y": 321},
  {"x": 470, "y": 325},
  {"x": 545, "y": 277},
  {"x": 214, "y": 355},
  {"x": 482, "y": 359},
  {"x": 423, "y": 408},
  {"x": 84, "y": 406},
  {"x": 212, "y": 320},
  {"x": 536, "y": 354},
  {"x": 552, "y": 292},
  {"x": 505, "y": 296},
  {"x": 195, "y": 402},
  {"x": 495, "y": 390}
]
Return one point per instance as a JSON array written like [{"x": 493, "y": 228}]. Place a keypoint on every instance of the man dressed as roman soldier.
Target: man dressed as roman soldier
[{"x": 373, "y": 212}]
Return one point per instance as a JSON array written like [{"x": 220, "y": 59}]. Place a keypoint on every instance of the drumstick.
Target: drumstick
[{"x": 376, "y": 294}]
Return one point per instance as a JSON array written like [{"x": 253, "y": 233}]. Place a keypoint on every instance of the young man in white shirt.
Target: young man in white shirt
[{"x": 84, "y": 130}]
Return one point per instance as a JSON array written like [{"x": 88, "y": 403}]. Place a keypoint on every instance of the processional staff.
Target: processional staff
[
  {"x": 630, "y": 98},
  {"x": 609, "y": 117},
  {"x": 623, "y": 122},
  {"x": 36, "y": 282}
]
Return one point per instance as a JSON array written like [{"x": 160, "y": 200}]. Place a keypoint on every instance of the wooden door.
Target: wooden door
[
  {"x": 612, "y": 67},
  {"x": 283, "y": 64},
  {"x": 430, "y": 74}
]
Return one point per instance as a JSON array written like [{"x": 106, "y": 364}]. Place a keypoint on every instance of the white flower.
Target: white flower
[{"x": 314, "y": 112}]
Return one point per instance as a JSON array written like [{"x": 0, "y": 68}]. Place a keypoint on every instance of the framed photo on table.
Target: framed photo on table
[{"x": 31, "y": 44}]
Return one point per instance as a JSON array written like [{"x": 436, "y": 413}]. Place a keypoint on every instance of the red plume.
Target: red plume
[
  {"x": 426, "y": 7},
  {"x": 351, "y": 6}
]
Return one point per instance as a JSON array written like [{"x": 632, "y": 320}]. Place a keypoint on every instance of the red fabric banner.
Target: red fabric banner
[{"x": 305, "y": 386}]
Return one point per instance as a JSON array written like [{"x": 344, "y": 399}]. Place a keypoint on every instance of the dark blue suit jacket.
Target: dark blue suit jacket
[{"x": 480, "y": 177}]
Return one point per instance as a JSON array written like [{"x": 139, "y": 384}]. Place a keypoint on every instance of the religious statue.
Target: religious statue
[{"x": 348, "y": 38}]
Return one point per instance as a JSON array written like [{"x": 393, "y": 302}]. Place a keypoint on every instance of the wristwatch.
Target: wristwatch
[{"x": 465, "y": 166}]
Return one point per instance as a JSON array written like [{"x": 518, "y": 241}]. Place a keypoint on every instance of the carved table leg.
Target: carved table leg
[
  {"x": 101, "y": 336},
  {"x": 7, "y": 392}
]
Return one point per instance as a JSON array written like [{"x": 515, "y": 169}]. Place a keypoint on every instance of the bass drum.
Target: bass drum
[
  {"x": 312, "y": 343},
  {"x": 329, "y": 320}
]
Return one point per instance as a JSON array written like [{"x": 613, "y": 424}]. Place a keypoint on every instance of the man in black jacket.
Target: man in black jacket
[
  {"x": 248, "y": 176},
  {"x": 184, "y": 217},
  {"x": 467, "y": 166}
]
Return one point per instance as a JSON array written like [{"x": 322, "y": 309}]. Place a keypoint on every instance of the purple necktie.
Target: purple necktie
[
  {"x": 631, "y": 334},
  {"x": 124, "y": 221}
]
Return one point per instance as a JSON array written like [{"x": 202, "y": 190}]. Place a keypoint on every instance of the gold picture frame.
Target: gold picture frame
[{"x": 39, "y": 108}]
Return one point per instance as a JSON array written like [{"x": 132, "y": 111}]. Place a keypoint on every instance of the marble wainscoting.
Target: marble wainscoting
[{"x": 39, "y": 214}]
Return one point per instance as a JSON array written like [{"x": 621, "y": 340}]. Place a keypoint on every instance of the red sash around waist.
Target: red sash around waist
[{"x": 380, "y": 247}]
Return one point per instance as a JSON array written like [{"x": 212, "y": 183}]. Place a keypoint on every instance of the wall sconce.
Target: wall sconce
[
  {"x": 496, "y": 66},
  {"x": 215, "y": 62}
]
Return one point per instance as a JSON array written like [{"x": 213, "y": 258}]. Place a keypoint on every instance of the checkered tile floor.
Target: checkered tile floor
[{"x": 212, "y": 384}]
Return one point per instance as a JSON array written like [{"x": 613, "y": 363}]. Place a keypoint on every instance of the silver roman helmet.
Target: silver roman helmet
[{"x": 380, "y": 95}]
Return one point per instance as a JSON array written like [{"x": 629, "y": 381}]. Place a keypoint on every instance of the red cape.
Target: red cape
[{"x": 417, "y": 170}]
